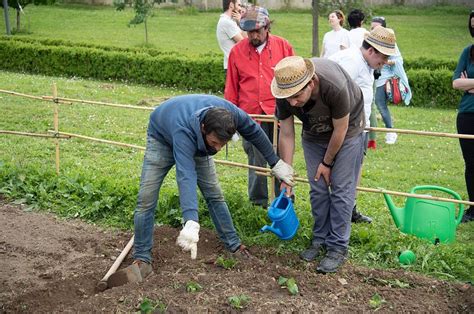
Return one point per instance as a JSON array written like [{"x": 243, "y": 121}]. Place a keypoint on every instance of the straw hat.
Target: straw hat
[
  {"x": 382, "y": 39},
  {"x": 291, "y": 75}
]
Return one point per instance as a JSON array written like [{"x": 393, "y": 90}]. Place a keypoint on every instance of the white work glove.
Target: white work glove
[
  {"x": 284, "y": 172},
  {"x": 189, "y": 237}
]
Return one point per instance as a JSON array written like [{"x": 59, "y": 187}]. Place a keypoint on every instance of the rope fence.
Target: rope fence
[{"x": 56, "y": 135}]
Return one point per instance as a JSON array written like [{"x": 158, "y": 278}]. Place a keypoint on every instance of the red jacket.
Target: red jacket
[{"x": 250, "y": 74}]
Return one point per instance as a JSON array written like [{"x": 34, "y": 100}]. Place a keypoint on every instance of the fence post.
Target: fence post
[
  {"x": 56, "y": 124},
  {"x": 275, "y": 148}
]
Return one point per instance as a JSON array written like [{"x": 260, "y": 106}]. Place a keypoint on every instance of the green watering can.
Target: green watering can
[{"x": 427, "y": 219}]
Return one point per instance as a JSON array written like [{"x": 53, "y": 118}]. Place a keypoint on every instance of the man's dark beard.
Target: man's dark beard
[
  {"x": 209, "y": 149},
  {"x": 256, "y": 42}
]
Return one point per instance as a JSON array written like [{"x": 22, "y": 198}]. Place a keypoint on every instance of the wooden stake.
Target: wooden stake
[
  {"x": 426, "y": 133},
  {"x": 56, "y": 124},
  {"x": 99, "y": 140},
  {"x": 34, "y": 134},
  {"x": 275, "y": 148},
  {"x": 266, "y": 171}
]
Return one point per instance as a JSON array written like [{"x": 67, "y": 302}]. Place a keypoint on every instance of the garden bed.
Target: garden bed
[{"x": 53, "y": 265}]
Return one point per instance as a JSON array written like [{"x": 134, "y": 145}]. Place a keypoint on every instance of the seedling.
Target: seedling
[
  {"x": 193, "y": 286},
  {"x": 288, "y": 283},
  {"x": 227, "y": 263},
  {"x": 149, "y": 306},
  {"x": 392, "y": 283},
  {"x": 376, "y": 301},
  {"x": 239, "y": 301}
]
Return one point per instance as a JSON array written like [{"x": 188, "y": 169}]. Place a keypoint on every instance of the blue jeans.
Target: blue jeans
[
  {"x": 257, "y": 185},
  {"x": 332, "y": 211},
  {"x": 381, "y": 102},
  {"x": 157, "y": 163}
]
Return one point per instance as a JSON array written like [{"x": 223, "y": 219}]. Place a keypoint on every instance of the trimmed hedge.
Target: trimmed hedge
[
  {"x": 204, "y": 72},
  {"x": 430, "y": 80},
  {"x": 425, "y": 63},
  {"x": 433, "y": 88}
]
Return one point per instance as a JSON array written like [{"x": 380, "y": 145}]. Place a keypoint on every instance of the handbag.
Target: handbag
[{"x": 395, "y": 90}]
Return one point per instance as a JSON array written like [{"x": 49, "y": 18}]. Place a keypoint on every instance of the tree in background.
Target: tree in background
[
  {"x": 143, "y": 9},
  {"x": 18, "y": 5}
]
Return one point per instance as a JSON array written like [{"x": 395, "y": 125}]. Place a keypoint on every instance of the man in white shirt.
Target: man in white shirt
[
  {"x": 228, "y": 32},
  {"x": 360, "y": 63}
]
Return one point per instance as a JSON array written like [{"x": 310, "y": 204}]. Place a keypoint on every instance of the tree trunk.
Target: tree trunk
[
  {"x": 315, "y": 51},
  {"x": 17, "y": 20},
  {"x": 146, "y": 31},
  {"x": 7, "y": 17}
]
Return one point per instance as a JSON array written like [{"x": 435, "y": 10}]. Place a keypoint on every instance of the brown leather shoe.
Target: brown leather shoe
[{"x": 137, "y": 272}]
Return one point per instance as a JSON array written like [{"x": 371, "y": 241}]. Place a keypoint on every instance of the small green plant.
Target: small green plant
[
  {"x": 289, "y": 283},
  {"x": 376, "y": 301},
  {"x": 227, "y": 263},
  {"x": 193, "y": 286},
  {"x": 239, "y": 301},
  {"x": 392, "y": 283},
  {"x": 149, "y": 306}
]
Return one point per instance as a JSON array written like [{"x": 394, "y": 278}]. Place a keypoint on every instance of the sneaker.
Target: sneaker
[
  {"x": 468, "y": 215},
  {"x": 391, "y": 138},
  {"x": 311, "y": 253},
  {"x": 372, "y": 144},
  {"x": 358, "y": 217},
  {"x": 332, "y": 261}
]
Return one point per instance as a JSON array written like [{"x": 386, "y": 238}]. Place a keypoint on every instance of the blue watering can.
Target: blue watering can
[{"x": 282, "y": 214}]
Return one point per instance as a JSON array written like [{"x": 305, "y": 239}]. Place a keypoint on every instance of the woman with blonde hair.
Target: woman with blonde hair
[{"x": 336, "y": 39}]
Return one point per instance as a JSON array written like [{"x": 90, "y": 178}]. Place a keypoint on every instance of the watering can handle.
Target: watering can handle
[{"x": 442, "y": 189}]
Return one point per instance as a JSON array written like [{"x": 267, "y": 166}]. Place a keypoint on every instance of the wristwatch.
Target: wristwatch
[{"x": 327, "y": 165}]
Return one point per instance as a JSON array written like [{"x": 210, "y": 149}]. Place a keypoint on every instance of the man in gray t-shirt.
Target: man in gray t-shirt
[
  {"x": 228, "y": 31},
  {"x": 330, "y": 104}
]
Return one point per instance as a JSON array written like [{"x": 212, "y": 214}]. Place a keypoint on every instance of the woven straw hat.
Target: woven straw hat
[
  {"x": 291, "y": 75},
  {"x": 382, "y": 39}
]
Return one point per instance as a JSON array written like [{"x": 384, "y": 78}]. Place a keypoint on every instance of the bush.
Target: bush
[
  {"x": 433, "y": 88},
  {"x": 430, "y": 79},
  {"x": 425, "y": 63},
  {"x": 203, "y": 72}
]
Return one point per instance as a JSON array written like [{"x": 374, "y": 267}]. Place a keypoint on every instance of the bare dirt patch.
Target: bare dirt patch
[{"x": 49, "y": 264}]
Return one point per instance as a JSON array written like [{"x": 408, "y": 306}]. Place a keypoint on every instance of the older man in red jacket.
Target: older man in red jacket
[{"x": 249, "y": 76}]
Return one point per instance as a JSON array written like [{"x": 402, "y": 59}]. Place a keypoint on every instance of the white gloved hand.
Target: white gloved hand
[
  {"x": 284, "y": 172},
  {"x": 189, "y": 237}
]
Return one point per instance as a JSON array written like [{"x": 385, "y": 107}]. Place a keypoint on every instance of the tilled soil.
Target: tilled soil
[{"x": 49, "y": 264}]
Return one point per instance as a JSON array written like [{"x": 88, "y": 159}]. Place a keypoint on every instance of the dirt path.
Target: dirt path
[{"x": 52, "y": 265}]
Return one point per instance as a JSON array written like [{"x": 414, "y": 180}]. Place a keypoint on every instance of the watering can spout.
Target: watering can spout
[
  {"x": 272, "y": 229},
  {"x": 396, "y": 212}
]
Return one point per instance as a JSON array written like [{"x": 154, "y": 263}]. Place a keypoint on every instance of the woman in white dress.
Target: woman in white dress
[{"x": 336, "y": 39}]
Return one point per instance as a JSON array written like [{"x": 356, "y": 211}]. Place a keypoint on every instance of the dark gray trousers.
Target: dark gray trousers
[{"x": 332, "y": 208}]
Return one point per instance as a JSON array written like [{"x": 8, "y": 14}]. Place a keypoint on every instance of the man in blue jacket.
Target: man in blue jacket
[{"x": 186, "y": 131}]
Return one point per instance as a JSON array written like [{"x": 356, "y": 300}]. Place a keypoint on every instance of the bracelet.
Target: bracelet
[{"x": 328, "y": 165}]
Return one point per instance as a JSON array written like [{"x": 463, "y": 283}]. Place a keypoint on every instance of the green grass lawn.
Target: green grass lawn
[
  {"x": 438, "y": 32},
  {"x": 99, "y": 183}
]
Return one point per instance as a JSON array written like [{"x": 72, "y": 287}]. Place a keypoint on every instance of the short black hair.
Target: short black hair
[
  {"x": 221, "y": 122},
  {"x": 226, "y": 4},
  {"x": 471, "y": 29},
  {"x": 355, "y": 18}
]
